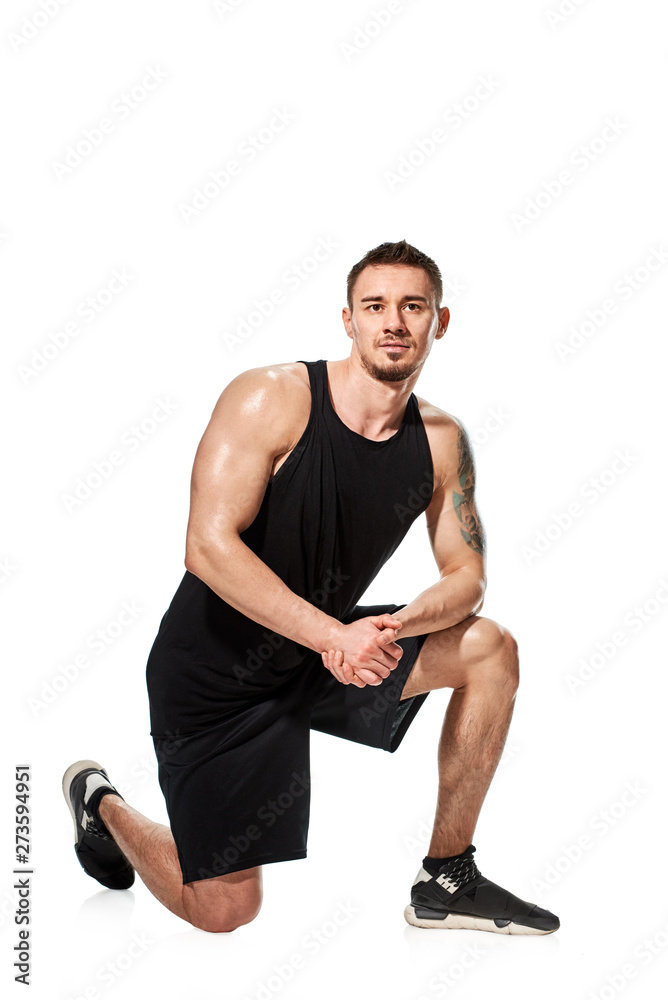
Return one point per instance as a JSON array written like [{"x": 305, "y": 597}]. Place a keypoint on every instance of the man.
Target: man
[{"x": 307, "y": 478}]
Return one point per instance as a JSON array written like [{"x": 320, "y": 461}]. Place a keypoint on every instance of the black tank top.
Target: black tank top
[{"x": 331, "y": 516}]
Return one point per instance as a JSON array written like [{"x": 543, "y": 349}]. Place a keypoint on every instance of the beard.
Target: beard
[{"x": 397, "y": 369}]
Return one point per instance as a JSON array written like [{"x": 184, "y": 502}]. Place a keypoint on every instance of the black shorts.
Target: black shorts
[{"x": 238, "y": 792}]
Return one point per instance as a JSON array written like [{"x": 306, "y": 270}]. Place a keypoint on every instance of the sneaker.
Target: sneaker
[
  {"x": 460, "y": 897},
  {"x": 98, "y": 853}
]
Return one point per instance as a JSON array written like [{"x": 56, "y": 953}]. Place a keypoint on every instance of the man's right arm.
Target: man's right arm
[{"x": 258, "y": 417}]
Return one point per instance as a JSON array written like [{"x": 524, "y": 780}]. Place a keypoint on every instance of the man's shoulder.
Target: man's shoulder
[
  {"x": 441, "y": 423},
  {"x": 277, "y": 383},
  {"x": 278, "y": 393},
  {"x": 444, "y": 433}
]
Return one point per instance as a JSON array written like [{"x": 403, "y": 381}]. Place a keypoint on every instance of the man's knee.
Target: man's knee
[
  {"x": 497, "y": 646},
  {"x": 487, "y": 636},
  {"x": 223, "y": 921},
  {"x": 218, "y": 908}
]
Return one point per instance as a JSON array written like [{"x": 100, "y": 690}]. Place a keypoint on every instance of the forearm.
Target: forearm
[
  {"x": 238, "y": 576},
  {"x": 454, "y": 597}
]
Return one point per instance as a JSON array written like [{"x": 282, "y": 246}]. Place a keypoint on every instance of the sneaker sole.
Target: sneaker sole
[
  {"x": 68, "y": 778},
  {"x": 460, "y": 921},
  {"x": 127, "y": 879}
]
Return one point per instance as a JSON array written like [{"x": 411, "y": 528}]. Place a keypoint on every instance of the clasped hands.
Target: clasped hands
[{"x": 365, "y": 651}]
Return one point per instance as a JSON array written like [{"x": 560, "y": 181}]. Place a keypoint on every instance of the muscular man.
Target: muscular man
[{"x": 307, "y": 478}]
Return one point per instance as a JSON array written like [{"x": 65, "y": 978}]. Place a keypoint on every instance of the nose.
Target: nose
[{"x": 393, "y": 321}]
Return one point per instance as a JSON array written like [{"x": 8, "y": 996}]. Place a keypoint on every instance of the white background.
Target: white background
[{"x": 546, "y": 426}]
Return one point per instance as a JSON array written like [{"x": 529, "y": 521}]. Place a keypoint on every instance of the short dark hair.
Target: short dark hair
[{"x": 397, "y": 253}]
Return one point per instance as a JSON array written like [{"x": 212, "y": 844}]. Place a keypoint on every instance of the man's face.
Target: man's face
[{"x": 394, "y": 321}]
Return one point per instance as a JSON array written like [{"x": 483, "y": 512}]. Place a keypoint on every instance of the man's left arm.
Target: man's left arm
[{"x": 457, "y": 539}]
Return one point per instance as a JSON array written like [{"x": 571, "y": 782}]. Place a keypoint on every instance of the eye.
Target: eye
[
  {"x": 414, "y": 305},
  {"x": 374, "y": 305}
]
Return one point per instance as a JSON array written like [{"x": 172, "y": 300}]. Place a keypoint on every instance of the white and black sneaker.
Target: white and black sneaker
[
  {"x": 460, "y": 897},
  {"x": 98, "y": 853}
]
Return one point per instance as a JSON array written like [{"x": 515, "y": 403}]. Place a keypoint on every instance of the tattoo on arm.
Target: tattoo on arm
[{"x": 472, "y": 530}]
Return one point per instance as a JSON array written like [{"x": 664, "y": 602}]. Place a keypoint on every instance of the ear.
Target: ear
[{"x": 443, "y": 320}]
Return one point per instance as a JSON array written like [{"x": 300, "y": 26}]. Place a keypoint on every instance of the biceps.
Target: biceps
[
  {"x": 229, "y": 479},
  {"x": 455, "y": 530}
]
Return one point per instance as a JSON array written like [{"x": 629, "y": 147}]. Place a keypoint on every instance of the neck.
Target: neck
[{"x": 369, "y": 406}]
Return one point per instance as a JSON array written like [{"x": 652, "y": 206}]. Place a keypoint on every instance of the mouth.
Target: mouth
[{"x": 394, "y": 347}]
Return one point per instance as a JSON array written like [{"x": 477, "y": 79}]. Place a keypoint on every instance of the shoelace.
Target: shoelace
[
  {"x": 92, "y": 828},
  {"x": 461, "y": 871}
]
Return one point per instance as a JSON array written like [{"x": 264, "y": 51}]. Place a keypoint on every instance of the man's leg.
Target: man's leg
[
  {"x": 215, "y": 904},
  {"x": 478, "y": 659}
]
